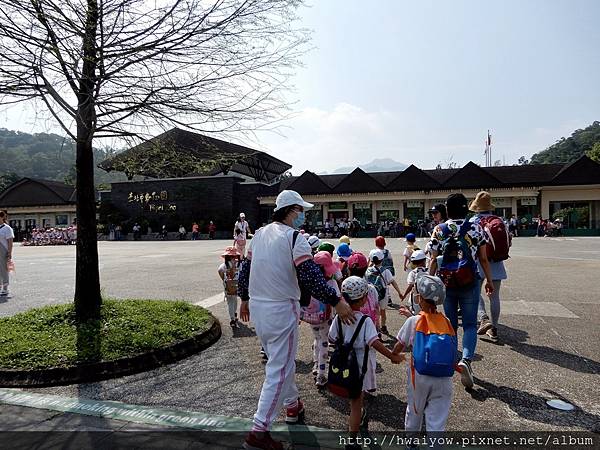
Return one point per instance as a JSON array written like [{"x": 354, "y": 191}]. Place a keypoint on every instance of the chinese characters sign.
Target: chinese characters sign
[{"x": 148, "y": 201}]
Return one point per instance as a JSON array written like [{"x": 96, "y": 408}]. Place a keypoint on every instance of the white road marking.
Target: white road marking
[
  {"x": 547, "y": 309},
  {"x": 210, "y": 301}
]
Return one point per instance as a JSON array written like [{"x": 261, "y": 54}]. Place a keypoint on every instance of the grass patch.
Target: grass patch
[{"x": 49, "y": 336}]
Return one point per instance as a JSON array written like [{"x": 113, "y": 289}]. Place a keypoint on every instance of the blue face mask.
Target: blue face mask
[{"x": 299, "y": 220}]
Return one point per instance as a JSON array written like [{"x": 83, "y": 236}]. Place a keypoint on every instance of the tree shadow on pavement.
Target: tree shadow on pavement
[
  {"x": 533, "y": 407},
  {"x": 242, "y": 331},
  {"x": 516, "y": 340},
  {"x": 385, "y": 408}
]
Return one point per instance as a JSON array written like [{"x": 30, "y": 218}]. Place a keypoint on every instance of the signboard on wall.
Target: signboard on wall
[
  {"x": 502, "y": 202},
  {"x": 363, "y": 205},
  {"x": 389, "y": 204},
  {"x": 338, "y": 205},
  {"x": 527, "y": 201},
  {"x": 414, "y": 204}
]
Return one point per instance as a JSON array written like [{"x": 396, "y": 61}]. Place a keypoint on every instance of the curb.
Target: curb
[{"x": 85, "y": 373}]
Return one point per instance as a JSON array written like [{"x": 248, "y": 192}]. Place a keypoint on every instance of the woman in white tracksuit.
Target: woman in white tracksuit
[{"x": 269, "y": 286}]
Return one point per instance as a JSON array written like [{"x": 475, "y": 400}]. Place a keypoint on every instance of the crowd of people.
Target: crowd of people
[
  {"x": 285, "y": 276},
  {"x": 51, "y": 236}
]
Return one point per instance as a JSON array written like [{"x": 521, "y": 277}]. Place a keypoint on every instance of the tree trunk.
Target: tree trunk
[{"x": 87, "y": 278}]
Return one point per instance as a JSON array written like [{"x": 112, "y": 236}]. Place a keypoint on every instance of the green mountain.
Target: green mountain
[
  {"x": 45, "y": 155},
  {"x": 569, "y": 149}
]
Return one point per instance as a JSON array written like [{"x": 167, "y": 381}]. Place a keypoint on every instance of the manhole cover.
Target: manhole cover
[{"x": 560, "y": 404}]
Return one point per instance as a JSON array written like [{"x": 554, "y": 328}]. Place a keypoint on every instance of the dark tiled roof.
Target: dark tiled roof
[
  {"x": 358, "y": 181},
  {"x": 472, "y": 176},
  {"x": 525, "y": 175},
  {"x": 37, "y": 192},
  {"x": 581, "y": 171},
  {"x": 309, "y": 183},
  {"x": 412, "y": 178},
  {"x": 237, "y": 158}
]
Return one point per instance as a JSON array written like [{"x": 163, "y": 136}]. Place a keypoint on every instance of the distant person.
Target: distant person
[
  {"x": 411, "y": 246},
  {"x": 242, "y": 225},
  {"x": 513, "y": 226},
  {"x": 182, "y": 233},
  {"x": 381, "y": 279},
  {"x": 137, "y": 232},
  {"x": 195, "y": 231},
  {"x": 164, "y": 233},
  {"x": 229, "y": 273},
  {"x": 7, "y": 237},
  {"x": 212, "y": 229},
  {"x": 118, "y": 230},
  {"x": 239, "y": 242}
]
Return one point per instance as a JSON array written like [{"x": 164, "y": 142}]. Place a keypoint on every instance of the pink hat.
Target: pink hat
[
  {"x": 358, "y": 260},
  {"x": 325, "y": 260},
  {"x": 230, "y": 251}
]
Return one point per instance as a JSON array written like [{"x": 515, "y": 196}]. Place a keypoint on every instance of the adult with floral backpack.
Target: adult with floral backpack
[
  {"x": 497, "y": 247},
  {"x": 456, "y": 247}
]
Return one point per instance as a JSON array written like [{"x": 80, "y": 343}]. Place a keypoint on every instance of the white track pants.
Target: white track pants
[
  {"x": 276, "y": 324},
  {"x": 430, "y": 397}
]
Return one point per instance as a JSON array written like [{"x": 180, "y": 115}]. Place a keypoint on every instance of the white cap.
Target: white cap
[
  {"x": 418, "y": 255},
  {"x": 314, "y": 241},
  {"x": 376, "y": 253},
  {"x": 289, "y": 198},
  {"x": 242, "y": 215}
]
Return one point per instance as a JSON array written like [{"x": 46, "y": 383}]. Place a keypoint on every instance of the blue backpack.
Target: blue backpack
[
  {"x": 434, "y": 346},
  {"x": 458, "y": 268},
  {"x": 375, "y": 277}
]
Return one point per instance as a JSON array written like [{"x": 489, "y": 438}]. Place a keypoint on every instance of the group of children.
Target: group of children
[{"x": 364, "y": 282}]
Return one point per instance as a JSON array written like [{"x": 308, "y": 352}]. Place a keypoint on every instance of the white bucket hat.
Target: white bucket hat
[
  {"x": 355, "y": 287},
  {"x": 431, "y": 288},
  {"x": 289, "y": 198}
]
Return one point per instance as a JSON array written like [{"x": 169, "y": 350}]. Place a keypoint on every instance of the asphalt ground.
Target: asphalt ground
[{"x": 549, "y": 338}]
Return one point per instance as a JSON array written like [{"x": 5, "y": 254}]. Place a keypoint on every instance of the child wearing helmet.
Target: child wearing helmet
[
  {"x": 343, "y": 252},
  {"x": 429, "y": 389},
  {"x": 318, "y": 315},
  {"x": 381, "y": 279},
  {"x": 229, "y": 272},
  {"x": 355, "y": 291},
  {"x": 411, "y": 246},
  {"x": 314, "y": 243},
  {"x": 418, "y": 261}
]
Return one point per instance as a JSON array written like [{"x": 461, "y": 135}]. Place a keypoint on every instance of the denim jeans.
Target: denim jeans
[{"x": 468, "y": 301}]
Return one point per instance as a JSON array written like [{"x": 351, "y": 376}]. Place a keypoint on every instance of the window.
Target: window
[
  {"x": 62, "y": 219},
  {"x": 573, "y": 214}
]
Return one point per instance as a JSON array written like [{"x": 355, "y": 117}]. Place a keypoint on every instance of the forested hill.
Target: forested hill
[
  {"x": 569, "y": 149},
  {"x": 44, "y": 155}
]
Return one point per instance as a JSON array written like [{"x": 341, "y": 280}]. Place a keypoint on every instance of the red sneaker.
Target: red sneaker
[
  {"x": 294, "y": 413},
  {"x": 261, "y": 441}
]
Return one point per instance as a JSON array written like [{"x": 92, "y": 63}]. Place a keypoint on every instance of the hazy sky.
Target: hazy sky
[{"x": 423, "y": 81}]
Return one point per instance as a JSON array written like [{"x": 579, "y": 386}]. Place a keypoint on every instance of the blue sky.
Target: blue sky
[{"x": 422, "y": 81}]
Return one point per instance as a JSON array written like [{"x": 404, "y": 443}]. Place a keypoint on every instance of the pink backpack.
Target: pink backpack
[{"x": 371, "y": 306}]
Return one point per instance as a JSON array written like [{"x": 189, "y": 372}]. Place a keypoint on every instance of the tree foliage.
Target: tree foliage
[
  {"x": 594, "y": 153},
  {"x": 566, "y": 150},
  {"x": 48, "y": 156},
  {"x": 125, "y": 68}
]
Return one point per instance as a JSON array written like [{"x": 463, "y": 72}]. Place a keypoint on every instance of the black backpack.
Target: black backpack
[{"x": 345, "y": 379}]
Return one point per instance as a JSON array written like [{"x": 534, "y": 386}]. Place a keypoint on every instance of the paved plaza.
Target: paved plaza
[{"x": 549, "y": 338}]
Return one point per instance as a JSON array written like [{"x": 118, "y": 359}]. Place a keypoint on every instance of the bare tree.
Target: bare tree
[{"x": 122, "y": 68}]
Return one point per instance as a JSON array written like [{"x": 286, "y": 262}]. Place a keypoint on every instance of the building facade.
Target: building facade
[{"x": 35, "y": 203}]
